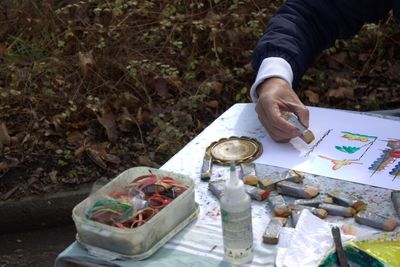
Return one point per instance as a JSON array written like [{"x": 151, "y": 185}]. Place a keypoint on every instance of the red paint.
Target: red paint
[{"x": 395, "y": 154}]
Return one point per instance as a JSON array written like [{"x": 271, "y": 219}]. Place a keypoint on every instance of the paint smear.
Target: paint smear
[{"x": 386, "y": 250}]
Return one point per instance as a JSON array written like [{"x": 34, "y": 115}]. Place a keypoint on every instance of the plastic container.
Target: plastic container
[
  {"x": 236, "y": 221},
  {"x": 139, "y": 243}
]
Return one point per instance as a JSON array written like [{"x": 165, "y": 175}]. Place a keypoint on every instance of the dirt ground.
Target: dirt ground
[{"x": 36, "y": 247}]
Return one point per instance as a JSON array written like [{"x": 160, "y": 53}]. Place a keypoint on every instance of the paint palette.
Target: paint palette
[{"x": 381, "y": 249}]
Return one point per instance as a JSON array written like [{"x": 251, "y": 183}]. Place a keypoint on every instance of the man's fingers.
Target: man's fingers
[
  {"x": 276, "y": 134},
  {"x": 302, "y": 113}
]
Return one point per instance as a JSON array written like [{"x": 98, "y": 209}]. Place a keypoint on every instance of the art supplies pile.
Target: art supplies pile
[
  {"x": 289, "y": 196},
  {"x": 334, "y": 203},
  {"x": 135, "y": 214}
]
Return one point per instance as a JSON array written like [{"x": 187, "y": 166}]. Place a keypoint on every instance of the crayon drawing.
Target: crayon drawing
[{"x": 347, "y": 146}]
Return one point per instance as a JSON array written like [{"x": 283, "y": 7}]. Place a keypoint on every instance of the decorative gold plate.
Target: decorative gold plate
[{"x": 237, "y": 149}]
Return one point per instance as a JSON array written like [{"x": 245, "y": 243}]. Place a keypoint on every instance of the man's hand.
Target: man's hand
[{"x": 275, "y": 95}]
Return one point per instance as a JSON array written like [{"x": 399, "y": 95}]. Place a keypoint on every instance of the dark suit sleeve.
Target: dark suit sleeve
[{"x": 301, "y": 29}]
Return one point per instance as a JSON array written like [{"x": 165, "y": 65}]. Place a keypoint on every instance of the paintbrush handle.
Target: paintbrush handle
[{"x": 339, "y": 248}]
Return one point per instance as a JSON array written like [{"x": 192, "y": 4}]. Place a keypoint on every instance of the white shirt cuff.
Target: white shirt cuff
[{"x": 271, "y": 67}]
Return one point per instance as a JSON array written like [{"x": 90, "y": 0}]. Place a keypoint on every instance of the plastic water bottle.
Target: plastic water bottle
[{"x": 236, "y": 221}]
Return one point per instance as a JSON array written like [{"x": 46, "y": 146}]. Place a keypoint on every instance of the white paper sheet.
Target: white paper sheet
[{"x": 347, "y": 146}]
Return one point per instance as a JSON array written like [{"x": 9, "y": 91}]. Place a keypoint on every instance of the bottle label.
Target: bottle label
[{"x": 237, "y": 234}]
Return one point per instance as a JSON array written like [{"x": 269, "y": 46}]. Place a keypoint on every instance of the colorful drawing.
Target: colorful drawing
[
  {"x": 395, "y": 171},
  {"x": 353, "y": 149},
  {"x": 357, "y": 137},
  {"x": 388, "y": 157},
  {"x": 339, "y": 163},
  {"x": 348, "y": 149}
]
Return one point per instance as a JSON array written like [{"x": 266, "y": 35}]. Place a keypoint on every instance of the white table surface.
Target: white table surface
[{"x": 200, "y": 243}]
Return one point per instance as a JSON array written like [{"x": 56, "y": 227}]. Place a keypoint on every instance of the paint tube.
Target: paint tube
[
  {"x": 347, "y": 200},
  {"x": 273, "y": 229},
  {"x": 269, "y": 182},
  {"x": 337, "y": 210},
  {"x": 395, "y": 195},
  {"x": 256, "y": 193},
  {"x": 306, "y": 135},
  {"x": 278, "y": 204},
  {"x": 217, "y": 189},
  {"x": 314, "y": 202},
  {"x": 296, "y": 190},
  {"x": 249, "y": 175},
  {"x": 320, "y": 213},
  {"x": 206, "y": 169},
  {"x": 376, "y": 221}
]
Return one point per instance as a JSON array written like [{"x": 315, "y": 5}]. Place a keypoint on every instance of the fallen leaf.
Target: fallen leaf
[
  {"x": 341, "y": 92},
  {"x": 26, "y": 138},
  {"x": 8, "y": 163},
  {"x": 96, "y": 158},
  {"x": 10, "y": 192},
  {"x": 75, "y": 137},
  {"x": 129, "y": 99},
  {"x": 99, "y": 153},
  {"x": 343, "y": 81},
  {"x": 160, "y": 85},
  {"x": 79, "y": 124},
  {"x": 107, "y": 120},
  {"x": 212, "y": 104},
  {"x": 79, "y": 151},
  {"x": 58, "y": 121},
  {"x": 85, "y": 61},
  {"x": 3, "y": 49},
  {"x": 146, "y": 161},
  {"x": 139, "y": 146},
  {"x": 5, "y": 139},
  {"x": 125, "y": 120},
  {"x": 53, "y": 177},
  {"x": 312, "y": 96},
  {"x": 3, "y": 166},
  {"x": 218, "y": 88},
  {"x": 110, "y": 158},
  {"x": 340, "y": 57},
  {"x": 174, "y": 81},
  {"x": 142, "y": 115}
]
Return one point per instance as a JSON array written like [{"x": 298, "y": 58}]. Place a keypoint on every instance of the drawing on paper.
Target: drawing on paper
[
  {"x": 353, "y": 137},
  {"x": 339, "y": 163},
  {"x": 388, "y": 157},
  {"x": 357, "y": 137},
  {"x": 348, "y": 149}
]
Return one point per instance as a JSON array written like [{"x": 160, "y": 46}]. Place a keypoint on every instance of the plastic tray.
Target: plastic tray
[{"x": 139, "y": 243}]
